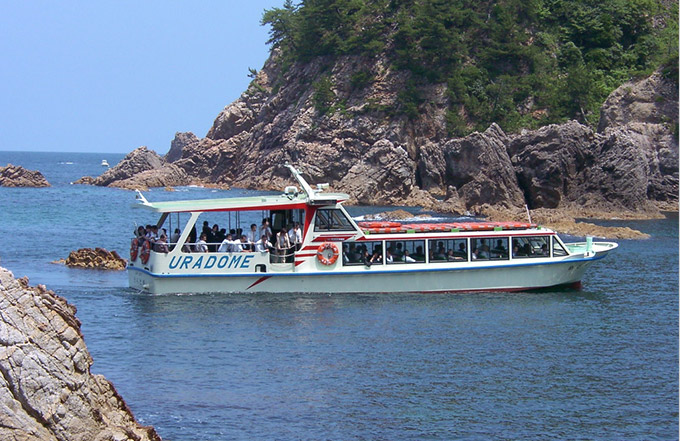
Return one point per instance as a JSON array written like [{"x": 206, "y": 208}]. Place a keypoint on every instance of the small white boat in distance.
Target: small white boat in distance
[
  {"x": 333, "y": 253},
  {"x": 105, "y": 163}
]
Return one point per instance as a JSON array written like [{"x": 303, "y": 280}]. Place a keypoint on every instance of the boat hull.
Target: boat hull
[{"x": 377, "y": 278}]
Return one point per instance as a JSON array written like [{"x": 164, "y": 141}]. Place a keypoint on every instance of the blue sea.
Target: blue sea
[{"x": 596, "y": 364}]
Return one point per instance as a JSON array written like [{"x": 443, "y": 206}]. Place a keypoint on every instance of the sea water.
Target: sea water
[{"x": 596, "y": 364}]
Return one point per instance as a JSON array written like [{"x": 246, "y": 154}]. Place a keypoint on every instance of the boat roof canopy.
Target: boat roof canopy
[{"x": 278, "y": 202}]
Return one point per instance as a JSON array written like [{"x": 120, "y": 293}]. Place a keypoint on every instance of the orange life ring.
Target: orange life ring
[
  {"x": 134, "y": 246},
  {"x": 323, "y": 255},
  {"x": 146, "y": 251}
]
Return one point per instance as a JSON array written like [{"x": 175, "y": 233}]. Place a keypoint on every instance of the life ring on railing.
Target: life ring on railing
[
  {"x": 327, "y": 253},
  {"x": 134, "y": 247},
  {"x": 146, "y": 251}
]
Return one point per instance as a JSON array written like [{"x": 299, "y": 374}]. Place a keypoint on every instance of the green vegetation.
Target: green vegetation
[{"x": 519, "y": 63}]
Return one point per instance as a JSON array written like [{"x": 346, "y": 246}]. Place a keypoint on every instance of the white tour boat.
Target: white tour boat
[{"x": 336, "y": 254}]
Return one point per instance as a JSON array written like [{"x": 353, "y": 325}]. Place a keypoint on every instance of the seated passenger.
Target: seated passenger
[
  {"x": 388, "y": 255},
  {"x": 499, "y": 250},
  {"x": 201, "y": 245},
  {"x": 440, "y": 254},
  {"x": 263, "y": 245},
  {"x": 451, "y": 256},
  {"x": 527, "y": 250},
  {"x": 483, "y": 252},
  {"x": 461, "y": 252},
  {"x": 227, "y": 245},
  {"x": 161, "y": 245},
  {"x": 398, "y": 253},
  {"x": 544, "y": 250},
  {"x": 407, "y": 258}
]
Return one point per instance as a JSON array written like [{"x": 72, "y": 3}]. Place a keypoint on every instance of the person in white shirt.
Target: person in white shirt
[
  {"x": 295, "y": 236},
  {"x": 252, "y": 234},
  {"x": 201, "y": 245},
  {"x": 263, "y": 245},
  {"x": 229, "y": 245},
  {"x": 265, "y": 229},
  {"x": 282, "y": 245}
]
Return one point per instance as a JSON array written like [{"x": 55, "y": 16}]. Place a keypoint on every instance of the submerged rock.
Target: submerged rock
[
  {"x": 47, "y": 391},
  {"x": 17, "y": 176}
]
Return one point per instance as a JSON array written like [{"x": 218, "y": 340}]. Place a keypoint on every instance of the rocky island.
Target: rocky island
[
  {"x": 48, "y": 392},
  {"x": 17, "y": 176},
  {"x": 346, "y": 117}
]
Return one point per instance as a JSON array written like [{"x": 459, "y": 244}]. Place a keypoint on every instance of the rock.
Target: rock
[
  {"x": 139, "y": 160},
  {"x": 652, "y": 100},
  {"x": 47, "y": 390},
  {"x": 140, "y": 170},
  {"x": 181, "y": 140},
  {"x": 97, "y": 258},
  {"x": 17, "y": 176}
]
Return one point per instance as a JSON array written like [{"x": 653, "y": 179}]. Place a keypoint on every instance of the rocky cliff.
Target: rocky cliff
[
  {"x": 17, "y": 176},
  {"x": 353, "y": 141},
  {"x": 47, "y": 390}
]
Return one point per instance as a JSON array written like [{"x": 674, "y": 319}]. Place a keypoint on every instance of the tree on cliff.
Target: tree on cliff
[{"x": 519, "y": 63}]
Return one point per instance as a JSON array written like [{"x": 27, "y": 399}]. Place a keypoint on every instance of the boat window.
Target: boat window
[
  {"x": 530, "y": 246},
  {"x": 354, "y": 253},
  {"x": 332, "y": 220},
  {"x": 448, "y": 250},
  {"x": 406, "y": 251},
  {"x": 558, "y": 249}
]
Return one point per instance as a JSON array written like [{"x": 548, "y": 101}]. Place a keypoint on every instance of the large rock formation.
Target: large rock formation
[
  {"x": 17, "y": 176},
  {"x": 352, "y": 139},
  {"x": 46, "y": 388}
]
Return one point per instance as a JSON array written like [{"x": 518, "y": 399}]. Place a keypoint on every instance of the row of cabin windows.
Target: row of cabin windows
[{"x": 450, "y": 250}]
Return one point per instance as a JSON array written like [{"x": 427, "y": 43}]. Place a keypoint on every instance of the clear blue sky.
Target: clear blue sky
[{"x": 109, "y": 76}]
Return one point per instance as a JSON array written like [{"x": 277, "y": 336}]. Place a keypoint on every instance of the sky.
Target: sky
[{"x": 110, "y": 76}]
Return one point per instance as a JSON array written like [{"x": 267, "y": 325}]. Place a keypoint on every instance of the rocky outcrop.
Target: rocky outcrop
[
  {"x": 653, "y": 100},
  {"x": 97, "y": 258},
  {"x": 178, "y": 144},
  {"x": 139, "y": 170},
  {"x": 47, "y": 390},
  {"x": 354, "y": 141},
  {"x": 17, "y": 176}
]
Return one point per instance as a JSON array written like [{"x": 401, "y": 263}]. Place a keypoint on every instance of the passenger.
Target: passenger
[
  {"x": 544, "y": 250},
  {"x": 161, "y": 245},
  {"x": 227, "y": 245},
  {"x": 406, "y": 258},
  {"x": 201, "y": 245},
  {"x": 366, "y": 258},
  {"x": 451, "y": 256},
  {"x": 461, "y": 252},
  {"x": 515, "y": 251},
  {"x": 206, "y": 228},
  {"x": 263, "y": 245},
  {"x": 418, "y": 255},
  {"x": 377, "y": 255},
  {"x": 282, "y": 245},
  {"x": 527, "y": 250},
  {"x": 212, "y": 235},
  {"x": 266, "y": 229},
  {"x": 220, "y": 236},
  {"x": 441, "y": 252},
  {"x": 345, "y": 254},
  {"x": 398, "y": 253},
  {"x": 354, "y": 254},
  {"x": 295, "y": 236},
  {"x": 483, "y": 252},
  {"x": 245, "y": 245},
  {"x": 141, "y": 231},
  {"x": 252, "y": 234},
  {"x": 389, "y": 258},
  {"x": 499, "y": 250}
]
